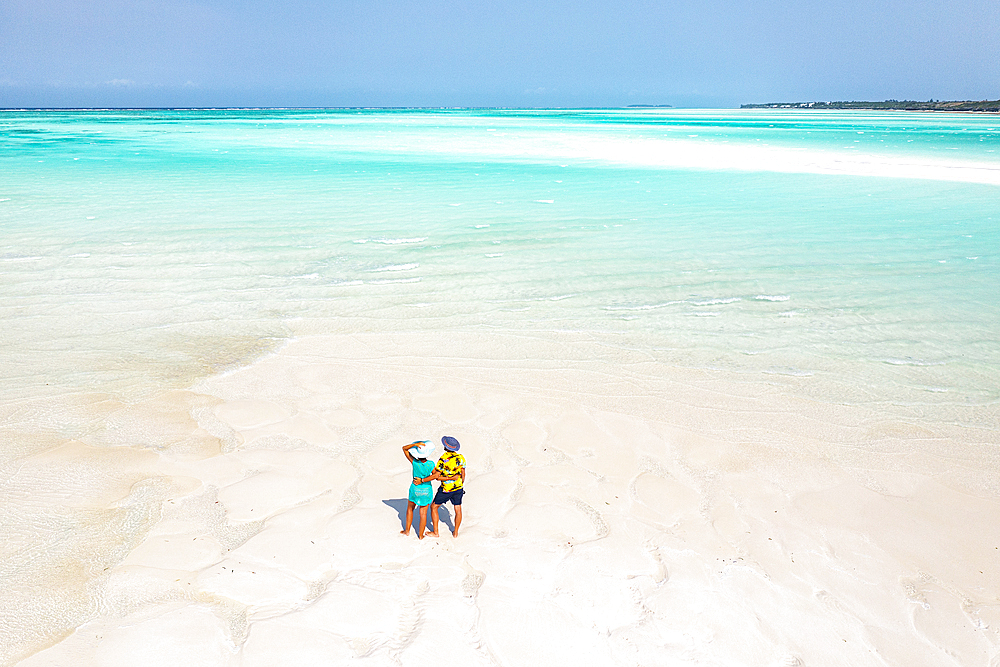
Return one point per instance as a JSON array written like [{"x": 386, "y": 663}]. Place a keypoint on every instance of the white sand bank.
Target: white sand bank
[{"x": 617, "y": 513}]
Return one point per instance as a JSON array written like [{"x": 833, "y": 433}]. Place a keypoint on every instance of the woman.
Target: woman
[{"x": 420, "y": 494}]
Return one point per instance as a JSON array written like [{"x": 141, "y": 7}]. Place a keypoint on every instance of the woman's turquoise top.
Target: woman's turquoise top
[{"x": 421, "y": 494}]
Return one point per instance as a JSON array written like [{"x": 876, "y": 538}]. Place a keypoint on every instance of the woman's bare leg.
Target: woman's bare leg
[
  {"x": 423, "y": 521},
  {"x": 433, "y": 532},
  {"x": 409, "y": 518}
]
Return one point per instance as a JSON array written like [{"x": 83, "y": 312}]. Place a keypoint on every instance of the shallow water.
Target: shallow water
[{"x": 155, "y": 246}]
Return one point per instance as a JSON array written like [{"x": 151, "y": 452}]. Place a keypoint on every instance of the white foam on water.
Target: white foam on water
[
  {"x": 420, "y": 239},
  {"x": 715, "y": 302},
  {"x": 767, "y": 297},
  {"x": 908, "y": 361},
  {"x": 392, "y": 281},
  {"x": 789, "y": 371},
  {"x": 395, "y": 267},
  {"x": 651, "y": 306}
]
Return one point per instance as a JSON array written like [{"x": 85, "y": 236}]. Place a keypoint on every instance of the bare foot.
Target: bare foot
[
  {"x": 404, "y": 532},
  {"x": 454, "y": 533},
  {"x": 433, "y": 534},
  {"x": 420, "y": 537}
]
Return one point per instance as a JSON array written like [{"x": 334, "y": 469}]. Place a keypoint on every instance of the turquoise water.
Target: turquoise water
[{"x": 856, "y": 252}]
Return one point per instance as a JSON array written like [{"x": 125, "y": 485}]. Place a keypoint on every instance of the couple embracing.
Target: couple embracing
[{"x": 449, "y": 470}]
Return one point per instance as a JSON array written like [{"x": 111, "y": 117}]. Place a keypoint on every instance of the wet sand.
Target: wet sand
[{"x": 618, "y": 512}]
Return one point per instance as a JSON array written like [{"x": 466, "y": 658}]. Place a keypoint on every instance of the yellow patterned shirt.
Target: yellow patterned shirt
[{"x": 451, "y": 463}]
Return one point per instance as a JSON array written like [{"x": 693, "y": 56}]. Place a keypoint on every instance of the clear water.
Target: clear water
[{"x": 143, "y": 249}]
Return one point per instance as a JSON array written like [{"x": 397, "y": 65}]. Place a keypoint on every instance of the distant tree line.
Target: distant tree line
[{"x": 899, "y": 105}]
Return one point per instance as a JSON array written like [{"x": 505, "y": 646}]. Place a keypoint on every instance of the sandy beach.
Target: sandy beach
[{"x": 618, "y": 512}]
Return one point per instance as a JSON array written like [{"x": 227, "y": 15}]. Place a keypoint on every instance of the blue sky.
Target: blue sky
[{"x": 716, "y": 53}]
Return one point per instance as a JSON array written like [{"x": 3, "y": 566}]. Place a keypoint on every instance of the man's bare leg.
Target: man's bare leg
[
  {"x": 433, "y": 532},
  {"x": 409, "y": 519},
  {"x": 458, "y": 519}
]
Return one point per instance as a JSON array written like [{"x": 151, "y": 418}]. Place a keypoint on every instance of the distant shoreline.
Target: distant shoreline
[{"x": 890, "y": 105}]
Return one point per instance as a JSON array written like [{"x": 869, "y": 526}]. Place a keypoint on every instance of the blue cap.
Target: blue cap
[{"x": 450, "y": 443}]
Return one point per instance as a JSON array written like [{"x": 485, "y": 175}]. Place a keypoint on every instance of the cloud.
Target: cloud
[{"x": 120, "y": 83}]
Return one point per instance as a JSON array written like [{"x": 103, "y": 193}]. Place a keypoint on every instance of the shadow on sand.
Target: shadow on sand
[{"x": 399, "y": 504}]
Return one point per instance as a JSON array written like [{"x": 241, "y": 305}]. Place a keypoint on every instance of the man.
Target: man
[{"x": 450, "y": 470}]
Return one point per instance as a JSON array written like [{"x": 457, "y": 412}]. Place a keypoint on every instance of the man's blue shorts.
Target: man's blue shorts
[{"x": 441, "y": 497}]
